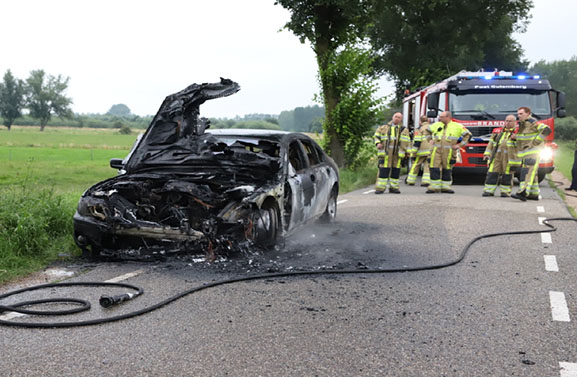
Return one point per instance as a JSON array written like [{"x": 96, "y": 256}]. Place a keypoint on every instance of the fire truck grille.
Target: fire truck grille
[
  {"x": 476, "y": 149},
  {"x": 477, "y": 161},
  {"x": 481, "y": 131}
]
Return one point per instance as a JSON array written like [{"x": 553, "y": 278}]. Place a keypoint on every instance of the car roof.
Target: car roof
[
  {"x": 258, "y": 133},
  {"x": 246, "y": 132}
]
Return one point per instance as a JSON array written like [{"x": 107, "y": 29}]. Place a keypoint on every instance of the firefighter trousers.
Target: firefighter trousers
[
  {"x": 499, "y": 176},
  {"x": 389, "y": 173},
  {"x": 414, "y": 172},
  {"x": 529, "y": 180},
  {"x": 442, "y": 161}
]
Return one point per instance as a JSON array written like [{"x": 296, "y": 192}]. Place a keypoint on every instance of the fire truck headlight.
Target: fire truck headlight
[{"x": 547, "y": 154}]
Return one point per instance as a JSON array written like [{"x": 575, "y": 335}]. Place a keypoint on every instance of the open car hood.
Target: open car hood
[{"x": 176, "y": 133}]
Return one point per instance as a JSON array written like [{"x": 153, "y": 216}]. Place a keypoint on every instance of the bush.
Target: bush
[
  {"x": 125, "y": 130},
  {"x": 566, "y": 128}
]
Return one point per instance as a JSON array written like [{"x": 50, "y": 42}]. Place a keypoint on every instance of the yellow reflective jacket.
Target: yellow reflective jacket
[
  {"x": 449, "y": 135},
  {"x": 396, "y": 140},
  {"x": 421, "y": 141},
  {"x": 531, "y": 136},
  {"x": 502, "y": 147}
]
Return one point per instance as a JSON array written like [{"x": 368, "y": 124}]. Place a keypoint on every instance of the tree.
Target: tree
[
  {"x": 11, "y": 99},
  {"x": 329, "y": 25},
  {"x": 562, "y": 74},
  {"x": 45, "y": 97},
  {"x": 420, "y": 42},
  {"x": 120, "y": 110}
]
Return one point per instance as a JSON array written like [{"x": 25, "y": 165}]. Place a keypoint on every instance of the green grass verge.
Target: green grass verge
[
  {"x": 564, "y": 157},
  {"x": 35, "y": 230}
]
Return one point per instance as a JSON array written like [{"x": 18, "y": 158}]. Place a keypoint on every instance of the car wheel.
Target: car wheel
[
  {"x": 91, "y": 253},
  {"x": 266, "y": 224},
  {"x": 331, "y": 210}
]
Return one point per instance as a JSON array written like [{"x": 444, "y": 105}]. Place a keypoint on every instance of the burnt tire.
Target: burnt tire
[
  {"x": 266, "y": 226},
  {"x": 331, "y": 211}
]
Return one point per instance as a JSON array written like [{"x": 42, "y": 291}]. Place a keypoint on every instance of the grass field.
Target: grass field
[{"x": 564, "y": 157}]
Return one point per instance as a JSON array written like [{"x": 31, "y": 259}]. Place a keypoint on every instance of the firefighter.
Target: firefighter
[
  {"x": 447, "y": 138},
  {"x": 573, "y": 186},
  {"x": 421, "y": 150},
  {"x": 529, "y": 139},
  {"x": 392, "y": 141},
  {"x": 500, "y": 157}
]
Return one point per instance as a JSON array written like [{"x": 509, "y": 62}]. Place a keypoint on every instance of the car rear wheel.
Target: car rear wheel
[
  {"x": 266, "y": 226},
  {"x": 331, "y": 210}
]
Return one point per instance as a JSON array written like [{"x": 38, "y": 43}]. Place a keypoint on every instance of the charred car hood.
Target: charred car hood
[{"x": 176, "y": 133}]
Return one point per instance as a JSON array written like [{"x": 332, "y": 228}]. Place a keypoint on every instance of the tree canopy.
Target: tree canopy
[
  {"x": 120, "y": 110},
  {"x": 11, "y": 98},
  {"x": 562, "y": 74},
  {"x": 419, "y": 42},
  {"x": 45, "y": 97}
]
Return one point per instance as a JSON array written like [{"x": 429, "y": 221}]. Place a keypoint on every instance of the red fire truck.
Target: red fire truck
[{"x": 481, "y": 101}]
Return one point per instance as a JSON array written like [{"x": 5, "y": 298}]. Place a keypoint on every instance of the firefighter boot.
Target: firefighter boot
[{"x": 520, "y": 195}]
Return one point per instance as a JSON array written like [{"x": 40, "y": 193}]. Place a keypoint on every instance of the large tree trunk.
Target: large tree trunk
[
  {"x": 43, "y": 123},
  {"x": 331, "y": 98}
]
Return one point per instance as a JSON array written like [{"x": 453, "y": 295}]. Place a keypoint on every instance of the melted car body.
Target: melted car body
[{"x": 185, "y": 189}]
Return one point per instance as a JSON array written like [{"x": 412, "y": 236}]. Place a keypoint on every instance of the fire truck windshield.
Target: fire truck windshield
[{"x": 497, "y": 105}]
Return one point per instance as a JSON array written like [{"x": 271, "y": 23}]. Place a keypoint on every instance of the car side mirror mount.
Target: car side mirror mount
[{"x": 116, "y": 163}]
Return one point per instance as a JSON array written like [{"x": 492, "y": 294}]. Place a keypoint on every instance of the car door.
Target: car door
[
  {"x": 317, "y": 173},
  {"x": 301, "y": 187}
]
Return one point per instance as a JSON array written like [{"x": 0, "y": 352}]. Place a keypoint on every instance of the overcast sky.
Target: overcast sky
[{"x": 138, "y": 52}]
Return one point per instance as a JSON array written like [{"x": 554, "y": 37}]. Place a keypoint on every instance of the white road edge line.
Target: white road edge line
[
  {"x": 342, "y": 201},
  {"x": 368, "y": 192},
  {"x": 559, "y": 309},
  {"x": 540, "y": 209},
  {"x": 11, "y": 315},
  {"x": 551, "y": 263},
  {"x": 568, "y": 369}
]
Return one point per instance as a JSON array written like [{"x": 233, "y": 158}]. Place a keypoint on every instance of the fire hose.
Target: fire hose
[{"x": 107, "y": 301}]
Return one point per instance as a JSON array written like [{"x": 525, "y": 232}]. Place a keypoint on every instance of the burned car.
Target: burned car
[{"x": 185, "y": 189}]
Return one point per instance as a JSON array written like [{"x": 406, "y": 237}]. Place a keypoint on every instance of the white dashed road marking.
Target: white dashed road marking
[
  {"x": 541, "y": 220},
  {"x": 551, "y": 263},
  {"x": 125, "y": 276},
  {"x": 559, "y": 308},
  {"x": 540, "y": 209},
  {"x": 546, "y": 238},
  {"x": 342, "y": 201},
  {"x": 568, "y": 369},
  {"x": 368, "y": 192}
]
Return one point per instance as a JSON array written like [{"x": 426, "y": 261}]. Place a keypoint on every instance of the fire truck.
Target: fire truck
[{"x": 481, "y": 101}]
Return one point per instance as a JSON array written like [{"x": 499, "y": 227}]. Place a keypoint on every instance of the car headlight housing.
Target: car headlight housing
[{"x": 547, "y": 154}]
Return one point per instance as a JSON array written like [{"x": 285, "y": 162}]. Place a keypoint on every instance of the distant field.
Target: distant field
[
  {"x": 63, "y": 137},
  {"x": 68, "y": 160}
]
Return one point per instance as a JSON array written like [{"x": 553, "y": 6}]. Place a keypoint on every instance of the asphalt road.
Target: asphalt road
[{"x": 502, "y": 311}]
